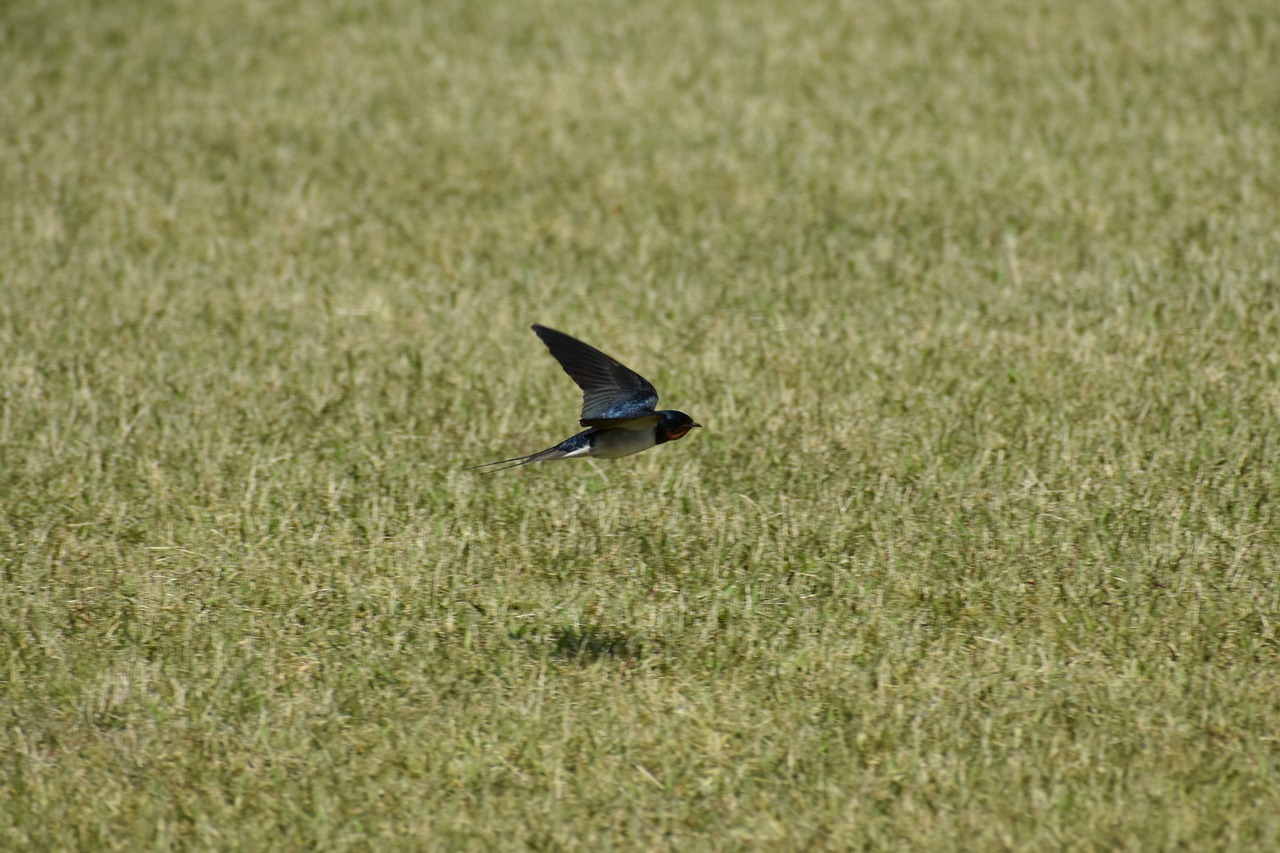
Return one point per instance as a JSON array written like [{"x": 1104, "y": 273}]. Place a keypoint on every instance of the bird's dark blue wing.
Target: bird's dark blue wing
[{"x": 611, "y": 391}]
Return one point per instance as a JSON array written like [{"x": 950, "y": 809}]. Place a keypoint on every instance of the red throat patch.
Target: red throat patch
[{"x": 678, "y": 433}]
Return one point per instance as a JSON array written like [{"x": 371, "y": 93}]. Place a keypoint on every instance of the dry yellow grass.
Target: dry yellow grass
[{"x": 978, "y": 302}]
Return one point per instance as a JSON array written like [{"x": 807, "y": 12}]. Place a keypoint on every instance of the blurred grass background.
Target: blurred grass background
[{"x": 979, "y": 303}]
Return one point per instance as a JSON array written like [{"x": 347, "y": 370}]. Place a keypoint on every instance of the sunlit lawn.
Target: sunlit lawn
[{"x": 979, "y": 304}]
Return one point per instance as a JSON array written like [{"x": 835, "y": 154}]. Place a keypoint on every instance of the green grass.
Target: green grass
[{"x": 978, "y": 301}]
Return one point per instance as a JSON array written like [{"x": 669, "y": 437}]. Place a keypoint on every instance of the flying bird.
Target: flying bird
[{"x": 618, "y": 407}]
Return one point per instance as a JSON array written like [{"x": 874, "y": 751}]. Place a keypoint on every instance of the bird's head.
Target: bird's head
[{"x": 675, "y": 425}]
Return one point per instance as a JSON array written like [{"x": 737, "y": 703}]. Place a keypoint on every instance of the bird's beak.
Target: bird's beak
[{"x": 695, "y": 425}]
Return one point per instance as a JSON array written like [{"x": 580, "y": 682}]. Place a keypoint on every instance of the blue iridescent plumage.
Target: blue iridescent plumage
[{"x": 618, "y": 406}]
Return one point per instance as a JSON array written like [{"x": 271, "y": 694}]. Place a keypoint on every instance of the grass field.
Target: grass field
[{"x": 979, "y": 303}]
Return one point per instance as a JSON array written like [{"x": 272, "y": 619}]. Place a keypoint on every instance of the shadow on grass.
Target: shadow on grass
[{"x": 588, "y": 644}]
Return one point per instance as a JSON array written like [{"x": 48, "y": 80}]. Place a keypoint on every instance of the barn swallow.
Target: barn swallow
[{"x": 617, "y": 407}]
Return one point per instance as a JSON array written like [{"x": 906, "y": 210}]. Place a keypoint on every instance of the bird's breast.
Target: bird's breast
[{"x": 612, "y": 443}]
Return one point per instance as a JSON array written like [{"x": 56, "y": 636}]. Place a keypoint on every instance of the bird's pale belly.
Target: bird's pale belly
[{"x": 614, "y": 443}]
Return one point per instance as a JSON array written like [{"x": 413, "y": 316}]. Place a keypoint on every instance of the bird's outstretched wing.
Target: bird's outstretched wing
[{"x": 612, "y": 393}]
